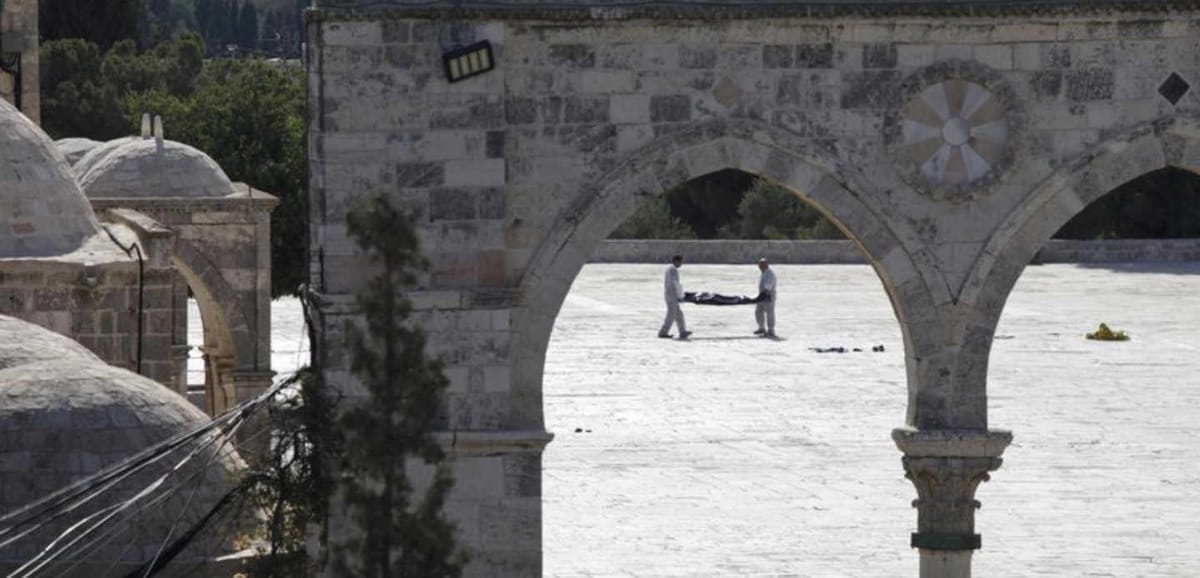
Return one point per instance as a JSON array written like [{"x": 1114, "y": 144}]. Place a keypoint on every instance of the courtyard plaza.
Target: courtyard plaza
[{"x": 732, "y": 455}]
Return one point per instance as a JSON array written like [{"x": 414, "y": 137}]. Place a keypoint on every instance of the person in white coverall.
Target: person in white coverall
[
  {"x": 673, "y": 293},
  {"x": 765, "y": 310}
]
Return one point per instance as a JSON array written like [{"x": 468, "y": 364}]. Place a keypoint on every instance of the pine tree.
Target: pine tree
[
  {"x": 402, "y": 535},
  {"x": 248, "y": 26},
  {"x": 204, "y": 15},
  {"x": 231, "y": 24}
]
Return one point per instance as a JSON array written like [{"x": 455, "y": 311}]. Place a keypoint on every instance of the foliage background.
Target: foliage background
[
  {"x": 105, "y": 62},
  {"x": 248, "y": 114}
]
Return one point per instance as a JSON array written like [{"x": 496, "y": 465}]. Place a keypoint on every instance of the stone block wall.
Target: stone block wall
[
  {"x": 19, "y": 32},
  {"x": 97, "y": 305},
  {"x": 950, "y": 143},
  {"x": 221, "y": 251}
]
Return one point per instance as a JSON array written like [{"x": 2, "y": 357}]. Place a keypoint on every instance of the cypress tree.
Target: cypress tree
[
  {"x": 402, "y": 535},
  {"x": 248, "y": 26}
]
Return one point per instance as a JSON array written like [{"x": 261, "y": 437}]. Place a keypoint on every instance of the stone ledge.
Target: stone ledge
[
  {"x": 916, "y": 443},
  {"x": 476, "y": 443},
  {"x": 735, "y": 252},
  {"x": 349, "y": 10}
]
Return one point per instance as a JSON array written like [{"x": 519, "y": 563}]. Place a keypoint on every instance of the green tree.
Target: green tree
[
  {"x": 248, "y": 26},
  {"x": 77, "y": 99},
  {"x": 1161, "y": 204},
  {"x": 653, "y": 221},
  {"x": 708, "y": 202},
  {"x": 771, "y": 211},
  {"x": 249, "y": 116},
  {"x": 403, "y": 535},
  {"x": 103, "y": 22}
]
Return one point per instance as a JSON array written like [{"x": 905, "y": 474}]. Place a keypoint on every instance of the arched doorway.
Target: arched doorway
[{"x": 226, "y": 341}]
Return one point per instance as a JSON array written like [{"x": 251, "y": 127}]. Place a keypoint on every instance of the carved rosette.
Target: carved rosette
[
  {"x": 952, "y": 136},
  {"x": 955, "y": 131}
]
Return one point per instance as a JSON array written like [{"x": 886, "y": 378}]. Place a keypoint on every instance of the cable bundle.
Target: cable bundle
[{"x": 172, "y": 471}]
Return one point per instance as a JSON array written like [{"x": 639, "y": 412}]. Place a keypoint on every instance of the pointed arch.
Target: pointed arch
[
  {"x": 913, "y": 286},
  {"x": 1171, "y": 142},
  {"x": 222, "y": 317}
]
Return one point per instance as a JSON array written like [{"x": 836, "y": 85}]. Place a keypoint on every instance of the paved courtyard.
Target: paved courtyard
[
  {"x": 732, "y": 455},
  {"x": 737, "y": 456}
]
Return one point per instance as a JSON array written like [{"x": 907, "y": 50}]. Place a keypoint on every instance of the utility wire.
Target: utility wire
[{"x": 75, "y": 496}]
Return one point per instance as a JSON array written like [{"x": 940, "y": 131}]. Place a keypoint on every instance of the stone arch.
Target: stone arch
[
  {"x": 224, "y": 322},
  {"x": 1170, "y": 142},
  {"x": 819, "y": 178}
]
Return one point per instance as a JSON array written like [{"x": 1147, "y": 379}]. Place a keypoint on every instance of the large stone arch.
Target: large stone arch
[
  {"x": 223, "y": 320},
  {"x": 1169, "y": 142},
  {"x": 821, "y": 179}
]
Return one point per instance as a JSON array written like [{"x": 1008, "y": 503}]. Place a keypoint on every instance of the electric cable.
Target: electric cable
[{"x": 71, "y": 498}]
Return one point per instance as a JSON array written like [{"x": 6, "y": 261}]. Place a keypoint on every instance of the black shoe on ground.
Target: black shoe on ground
[
  {"x": 771, "y": 335},
  {"x": 664, "y": 335},
  {"x": 684, "y": 335},
  {"x": 760, "y": 331}
]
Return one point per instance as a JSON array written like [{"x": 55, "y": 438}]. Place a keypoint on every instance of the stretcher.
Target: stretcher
[{"x": 705, "y": 298}]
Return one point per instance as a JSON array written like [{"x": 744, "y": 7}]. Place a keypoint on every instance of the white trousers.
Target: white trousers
[
  {"x": 765, "y": 311},
  {"x": 674, "y": 315}
]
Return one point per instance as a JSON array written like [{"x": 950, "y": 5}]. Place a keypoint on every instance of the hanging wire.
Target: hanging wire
[{"x": 42, "y": 512}]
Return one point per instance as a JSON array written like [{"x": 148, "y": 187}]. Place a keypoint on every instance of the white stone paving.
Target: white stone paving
[
  {"x": 732, "y": 455},
  {"x": 735, "y": 456}
]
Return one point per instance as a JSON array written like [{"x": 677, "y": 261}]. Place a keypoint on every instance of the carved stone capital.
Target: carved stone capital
[{"x": 947, "y": 466}]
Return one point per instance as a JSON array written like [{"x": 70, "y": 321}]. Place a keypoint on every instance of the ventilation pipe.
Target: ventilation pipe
[{"x": 158, "y": 132}]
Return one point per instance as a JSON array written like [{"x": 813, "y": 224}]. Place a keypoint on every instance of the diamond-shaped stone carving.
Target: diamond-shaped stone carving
[{"x": 1173, "y": 88}]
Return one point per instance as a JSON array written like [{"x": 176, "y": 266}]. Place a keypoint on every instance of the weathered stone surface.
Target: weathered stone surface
[{"x": 873, "y": 119}]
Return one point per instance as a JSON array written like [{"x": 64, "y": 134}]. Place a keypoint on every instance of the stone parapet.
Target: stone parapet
[
  {"x": 835, "y": 252},
  {"x": 1119, "y": 250},
  {"x": 723, "y": 10}
]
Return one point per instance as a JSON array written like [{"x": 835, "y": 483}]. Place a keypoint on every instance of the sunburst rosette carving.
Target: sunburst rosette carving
[{"x": 955, "y": 133}]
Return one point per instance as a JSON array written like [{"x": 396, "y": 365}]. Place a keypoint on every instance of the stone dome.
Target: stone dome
[
  {"x": 67, "y": 415},
  {"x": 44, "y": 212},
  {"x": 99, "y": 153},
  {"x": 145, "y": 168},
  {"x": 74, "y": 148}
]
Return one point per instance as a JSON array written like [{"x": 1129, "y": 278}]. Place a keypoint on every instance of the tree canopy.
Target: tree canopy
[
  {"x": 248, "y": 114},
  {"x": 735, "y": 205}
]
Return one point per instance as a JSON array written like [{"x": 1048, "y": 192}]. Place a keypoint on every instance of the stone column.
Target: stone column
[{"x": 947, "y": 466}]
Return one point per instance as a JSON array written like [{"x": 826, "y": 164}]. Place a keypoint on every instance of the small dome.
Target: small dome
[
  {"x": 148, "y": 168},
  {"x": 75, "y": 148},
  {"x": 99, "y": 153},
  {"x": 44, "y": 212},
  {"x": 68, "y": 415}
]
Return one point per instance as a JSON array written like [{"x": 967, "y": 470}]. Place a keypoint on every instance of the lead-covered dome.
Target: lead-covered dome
[
  {"x": 67, "y": 415},
  {"x": 75, "y": 147},
  {"x": 145, "y": 168},
  {"x": 100, "y": 152},
  {"x": 44, "y": 211}
]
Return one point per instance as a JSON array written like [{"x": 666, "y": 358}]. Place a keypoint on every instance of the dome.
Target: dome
[
  {"x": 67, "y": 415},
  {"x": 44, "y": 212},
  {"x": 100, "y": 152},
  {"x": 75, "y": 148},
  {"x": 150, "y": 167}
]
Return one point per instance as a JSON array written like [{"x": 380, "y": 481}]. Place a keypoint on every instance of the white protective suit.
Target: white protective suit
[
  {"x": 765, "y": 310},
  {"x": 673, "y": 294}
]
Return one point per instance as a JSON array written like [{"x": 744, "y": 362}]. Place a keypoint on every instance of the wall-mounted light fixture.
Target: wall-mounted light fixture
[{"x": 467, "y": 61}]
